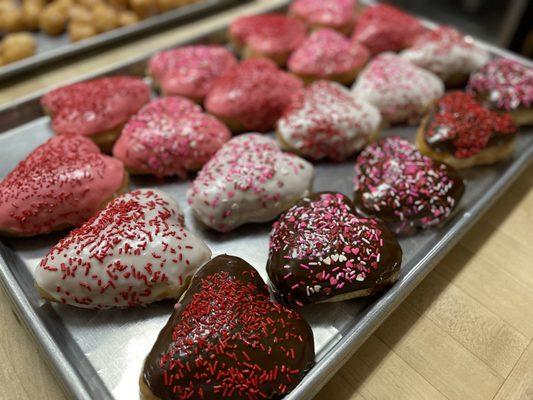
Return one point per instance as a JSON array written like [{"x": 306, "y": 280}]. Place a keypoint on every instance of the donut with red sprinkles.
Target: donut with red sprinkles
[
  {"x": 322, "y": 250},
  {"x": 400, "y": 90},
  {"x": 252, "y": 95},
  {"x": 505, "y": 85},
  {"x": 383, "y": 27},
  {"x": 462, "y": 133},
  {"x": 136, "y": 251},
  {"x": 169, "y": 136},
  {"x": 190, "y": 71},
  {"x": 97, "y": 108},
  {"x": 62, "y": 183},
  {"x": 327, "y": 54},
  {"x": 273, "y": 36},
  {"x": 404, "y": 188},
  {"x": 334, "y": 14},
  {"x": 448, "y": 54},
  {"x": 325, "y": 121},
  {"x": 248, "y": 180},
  {"x": 227, "y": 340}
]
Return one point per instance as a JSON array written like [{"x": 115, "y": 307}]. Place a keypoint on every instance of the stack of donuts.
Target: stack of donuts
[{"x": 246, "y": 124}]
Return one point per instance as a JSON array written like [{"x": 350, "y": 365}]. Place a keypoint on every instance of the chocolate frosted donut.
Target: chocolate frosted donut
[
  {"x": 404, "y": 188},
  {"x": 462, "y": 133},
  {"x": 227, "y": 339},
  {"x": 322, "y": 250}
]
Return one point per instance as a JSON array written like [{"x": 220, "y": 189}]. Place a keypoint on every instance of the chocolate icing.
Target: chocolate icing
[
  {"x": 405, "y": 189},
  {"x": 319, "y": 250},
  {"x": 227, "y": 339}
]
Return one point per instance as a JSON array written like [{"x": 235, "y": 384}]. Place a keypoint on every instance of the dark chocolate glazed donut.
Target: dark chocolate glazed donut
[
  {"x": 405, "y": 189},
  {"x": 227, "y": 340},
  {"x": 322, "y": 250}
]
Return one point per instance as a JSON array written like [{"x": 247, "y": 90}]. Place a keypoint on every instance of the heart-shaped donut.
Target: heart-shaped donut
[
  {"x": 252, "y": 95},
  {"x": 334, "y": 14},
  {"x": 169, "y": 136},
  {"x": 400, "y": 90},
  {"x": 322, "y": 250},
  {"x": 325, "y": 120},
  {"x": 136, "y": 251},
  {"x": 97, "y": 108},
  {"x": 190, "y": 71},
  {"x": 248, "y": 180},
  {"x": 404, "y": 188},
  {"x": 227, "y": 340},
  {"x": 461, "y": 132},
  {"x": 62, "y": 183}
]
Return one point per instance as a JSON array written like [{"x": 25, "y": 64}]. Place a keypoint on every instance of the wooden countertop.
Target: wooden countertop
[{"x": 465, "y": 333}]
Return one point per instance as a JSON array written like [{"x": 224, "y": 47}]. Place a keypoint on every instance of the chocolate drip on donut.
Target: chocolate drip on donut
[
  {"x": 322, "y": 250},
  {"x": 227, "y": 339}
]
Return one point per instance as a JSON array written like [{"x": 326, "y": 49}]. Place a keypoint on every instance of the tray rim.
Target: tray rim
[
  {"x": 187, "y": 14},
  {"x": 354, "y": 337}
]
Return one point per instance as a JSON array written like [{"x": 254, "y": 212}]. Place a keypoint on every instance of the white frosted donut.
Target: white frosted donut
[
  {"x": 248, "y": 180},
  {"x": 400, "y": 90},
  {"x": 326, "y": 121},
  {"x": 447, "y": 53},
  {"x": 134, "y": 252}
]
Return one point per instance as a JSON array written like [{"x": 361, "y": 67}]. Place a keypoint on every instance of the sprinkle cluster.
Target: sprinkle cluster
[
  {"x": 249, "y": 173},
  {"x": 170, "y": 136},
  {"x": 385, "y": 28},
  {"x": 504, "y": 83},
  {"x": 325, "y": 120},
  {"x": 255, "y": 92},
  {"x": 91, "y": 107},
  {"x": 405, "y": 188},
  {"x": 459, "y": 119},
  {"x": 62, "y": 182},
  {"x": 269, "y": 33},
  {"x": 326, "y": 53},
  {"x": 325, "y": 245},
  {"x": 231, "y": 341},
  {"x": 338, "y": 14},
  {"x": 190, "y": 70},
  {"x": 125, "y": 256}
]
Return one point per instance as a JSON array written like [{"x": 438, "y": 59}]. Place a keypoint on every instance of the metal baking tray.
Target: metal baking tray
[
  {"x": 55, "y": 48},
  {"x": 99, "y": 354}
]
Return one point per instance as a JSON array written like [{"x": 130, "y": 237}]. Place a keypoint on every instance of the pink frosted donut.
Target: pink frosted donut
[
  {"x": 97, "y": 107},
  {"x": 273, "y": 36},
  {"x": 60, "y": 184},
  {"x": 327, "y": 54},
  {"x": 191, "y": 70},
  {"x": 335, "y": 14},
  {"x": 386, "y": 28},
  {"x": 252, "y": 95},
  {"x": 447, "y": 53},
  {"x": 325, "y": 120},
  {"x": 401, "y": 91},
  {"x": 169, "y": 136}
]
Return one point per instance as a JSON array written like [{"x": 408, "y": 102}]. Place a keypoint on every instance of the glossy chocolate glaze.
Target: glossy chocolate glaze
[
  {"x": 330, "y": 268},
  {"x": 384, "y": 187},
  {"x": 226, "y": 339}
]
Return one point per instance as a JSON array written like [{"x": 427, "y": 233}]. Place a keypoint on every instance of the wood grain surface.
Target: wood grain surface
[{"x": 466, "y": 332}]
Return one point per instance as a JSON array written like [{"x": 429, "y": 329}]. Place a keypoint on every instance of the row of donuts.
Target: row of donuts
[{"x": 138, "y": 250}]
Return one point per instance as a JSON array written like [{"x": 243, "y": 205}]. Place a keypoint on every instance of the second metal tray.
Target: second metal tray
[{"x": 98, "y": 354}]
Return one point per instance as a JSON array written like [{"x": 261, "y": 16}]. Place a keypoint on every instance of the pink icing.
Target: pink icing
[
  {"x": 170, "y": 136},
  {"x": 269, "y": 33},
  {"x": 386, "y": 28},
  {"x": 191, "y": 70},
  {"x": 62, "y": 182},
  {"x": 255, "y": 92},
  {"x": 327, "y": 52},
  {"x": 508, "y": 84},
  {"x": 92, "y": 107},
  {"x": 333, "y": 13}
]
